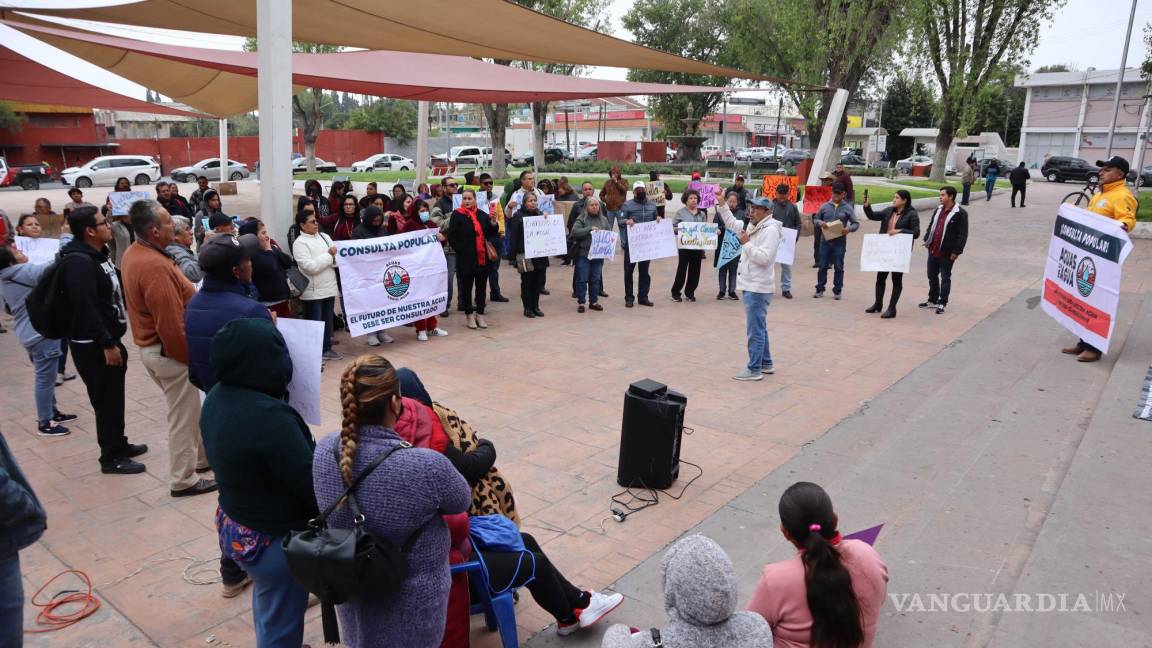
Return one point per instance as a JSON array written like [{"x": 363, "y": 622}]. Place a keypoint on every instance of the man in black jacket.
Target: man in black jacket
[
  {"x": 785, "y": 211},
  {"x": 945, "y": 237},
  {"x": 742, "y": 194},
  {"x": 22, "y": 522},
  {"x": 95, "y": 298},
  {"x": 172, "y": 201},
  {"x": 1019, "y": 178}
]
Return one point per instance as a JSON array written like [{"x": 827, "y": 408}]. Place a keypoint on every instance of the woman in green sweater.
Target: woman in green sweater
[{"x": 261, "y": 451}]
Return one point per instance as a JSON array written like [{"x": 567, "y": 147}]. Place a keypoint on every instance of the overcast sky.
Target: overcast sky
[{"x": 1086, "y": 33}]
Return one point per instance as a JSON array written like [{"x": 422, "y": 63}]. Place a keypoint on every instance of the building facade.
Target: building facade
[{"x": 1069, "y": 113}]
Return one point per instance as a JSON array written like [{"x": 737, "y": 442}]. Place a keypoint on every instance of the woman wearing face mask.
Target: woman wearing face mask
[
  {"x": 468, "y": 227},
  {"x": 688, "y": 265},
  {"x": 372, "y": 226},
  {"x": 417, "y": 218}
]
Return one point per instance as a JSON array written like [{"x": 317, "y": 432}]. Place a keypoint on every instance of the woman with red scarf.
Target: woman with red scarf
[{"x": 468, "y": 227}]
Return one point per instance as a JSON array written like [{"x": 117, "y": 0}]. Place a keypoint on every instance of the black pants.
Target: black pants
[
  {"x": 1022, "y": 189},
  {"x": 105, "y": 386},
  {"x": 551, "y": 590},
  {"x": 939, "y": 279},
  {"x": 897, "y": 287},
  {"x": 645, "y": 282},
  {"x": 531, "y": 283},
  {"x": 817, "y": 236},
  {"x": 63, "y": 357},
  {"x": 466, "y": 283},
  {"x": 494, "y": 270},
  {"x": 687, "y": 272}
]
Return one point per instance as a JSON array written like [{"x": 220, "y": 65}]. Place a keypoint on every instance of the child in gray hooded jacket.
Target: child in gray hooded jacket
[{"x": 700, "y": 598}]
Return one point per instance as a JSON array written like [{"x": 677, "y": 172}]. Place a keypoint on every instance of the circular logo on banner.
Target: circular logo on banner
[
  {"x": 396, "y": 280},
  {"x": 1086, "y": 276}
]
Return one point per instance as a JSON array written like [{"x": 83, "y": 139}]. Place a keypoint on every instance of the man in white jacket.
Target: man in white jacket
[{"x": 756, "y": 277}]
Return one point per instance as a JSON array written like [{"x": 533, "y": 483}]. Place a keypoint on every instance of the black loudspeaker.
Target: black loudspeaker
[{"x": 650, "y": 435}]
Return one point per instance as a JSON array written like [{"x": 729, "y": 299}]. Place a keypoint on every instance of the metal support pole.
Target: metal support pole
[
  {"x": 1120, "y": 83},
  {"x": 225, "y": 168},
  {"x": 820, "y": 161},
  {"x": 422, "y": 112},
  {"x": 776, "y": 139},
  {"x": 724, "y": 126},
  {"x": 274, "y": 79}
]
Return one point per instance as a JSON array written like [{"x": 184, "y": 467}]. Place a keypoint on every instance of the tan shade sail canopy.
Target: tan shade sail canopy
[
  {"x": 498, "y": 29},
  {"x": 224, "y": 83}
]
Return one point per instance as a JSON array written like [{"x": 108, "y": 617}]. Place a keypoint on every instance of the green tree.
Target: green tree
[
  {"x": 965, "y": 42},
  {"x": 1057, "y": 67},
  {"x": 833, "y": 43},
  {"x": 10, "y": 120},
  {"x": 691, "y": 28},
  {"x": 1146, "y": 66},
  {"x": 497, "y": 117},
  {"x": 909, "y": 103},
  {"x": 393, "y": 117},
  {"x": 311, "y": 105},
  {"x": 999, "y": 106}
]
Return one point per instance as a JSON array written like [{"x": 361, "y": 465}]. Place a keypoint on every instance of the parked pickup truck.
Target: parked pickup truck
[{"x": 28, "y": 176}]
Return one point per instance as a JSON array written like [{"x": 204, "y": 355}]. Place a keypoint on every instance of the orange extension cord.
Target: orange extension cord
[{"x": 49, "y": 619}]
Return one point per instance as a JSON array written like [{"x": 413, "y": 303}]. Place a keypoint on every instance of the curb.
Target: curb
[{"x": 1143, "y": 230}]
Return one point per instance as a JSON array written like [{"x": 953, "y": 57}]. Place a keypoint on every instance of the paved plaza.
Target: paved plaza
[{"x": 894, "y": 417}]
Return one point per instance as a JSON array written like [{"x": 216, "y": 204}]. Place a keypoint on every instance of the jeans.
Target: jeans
[
  {"x": 589, "y": 279},
  {"x": 687, "y": 272},
  {"x": 494, "y": 272},
  {"x": 11, "y": 603},
  {"x": 469, "y": 282},
  {"x": 989, "y": 185},
  {"x": 45, "y": 357},
  {"x": 105, "y": 385},
  {"x": 785, "y": 277},
  {"x": 185, "y": 445},
  {"x": 531, "y": 283},
  {"x": 278, "y": 600},
  {"x": 728, "y": 276},
  {"x": 939, "y": 279},
  {"x": 832, "y": 254},
  {"x": 756, "y": 322},
  {"x": 1022, "y": 190},
  {"x": 645, "y": 278},
  {"x": 321, "y": 310},
  {"x": 451, "y": 260},
  {"x": 966, "y": 194}
]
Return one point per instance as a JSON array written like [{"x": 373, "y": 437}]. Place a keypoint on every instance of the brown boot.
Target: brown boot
[
  {"x": 1075, "y": 349},
  {"x": 1088, "y": 356}
]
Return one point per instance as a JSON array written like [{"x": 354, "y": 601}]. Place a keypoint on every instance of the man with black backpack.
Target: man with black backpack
[{"x": 93, "y": 307}]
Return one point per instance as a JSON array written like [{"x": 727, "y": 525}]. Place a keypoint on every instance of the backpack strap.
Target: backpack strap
[{"x": 320, "y": 519}]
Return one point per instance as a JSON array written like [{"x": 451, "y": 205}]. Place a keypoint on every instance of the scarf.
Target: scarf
[{"x": 481, "y": 252}]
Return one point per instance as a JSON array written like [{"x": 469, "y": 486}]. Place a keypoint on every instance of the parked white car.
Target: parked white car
[
  {"x": 210, "y": 169},
  {"x": 103, "y": 171},
  {"x": 383, "y": 162}
]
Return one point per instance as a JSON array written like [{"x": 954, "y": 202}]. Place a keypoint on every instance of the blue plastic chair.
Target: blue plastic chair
[{"x": 499, "y": 610}]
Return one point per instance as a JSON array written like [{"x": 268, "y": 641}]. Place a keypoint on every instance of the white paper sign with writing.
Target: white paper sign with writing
[
  {"x": 392, "y": 280},
  {"x": 786, "y": 253},
  {"x": 122, "y": 200},
  {"x": 603, "y": 245},
  {"x": 305, "y": 340},
  {"x": 544, "y": 236},
  {"x": 884, "y": 253},
  {"x": 651, "y": 240},
  {"x": 697, "y": 236},
  {"x": 38, "y": 250}
]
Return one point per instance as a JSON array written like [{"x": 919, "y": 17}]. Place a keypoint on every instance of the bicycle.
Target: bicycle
[{"x": 1083, "y": 197}]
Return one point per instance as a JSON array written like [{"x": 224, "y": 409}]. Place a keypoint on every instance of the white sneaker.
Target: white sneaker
[
  {"x": 439, "y": 332},
  {"x": 373, "y": 339},
  {"x": 422, "y": 336},
  {"x": 748, "y": 376},
  {"x": 598, "y": 608},
  {"x": 385, "y": 338}
]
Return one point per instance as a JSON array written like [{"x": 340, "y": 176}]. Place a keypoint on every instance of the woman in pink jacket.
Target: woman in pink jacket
[{"x": 830, "y": 594}]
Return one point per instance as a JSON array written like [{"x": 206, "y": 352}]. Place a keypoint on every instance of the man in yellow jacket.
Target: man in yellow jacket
[{"x": 1117, "y": 202}]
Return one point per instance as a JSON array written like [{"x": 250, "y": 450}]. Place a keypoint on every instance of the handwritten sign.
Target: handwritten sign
[
  {"x": 544, "y": 237},
  {"x": 708, "y": 195},
  {"x": 305, "y": 340},
  {"x": 651, "y": 240},
  {"x": 729, "y": 249},
  {"x": 786, "y": 253},
  {"x": 38, "y": 250},
  {"x": 603, "y": 245},
  {"x": 122, "y": 200},
  {"x": 769, "y": 184},
  {"x": 697, "y": 236},
  {"x": 656, "y": 192},
  {"x": 815, "y": 196},
  {"x": 884, "y": 253}
]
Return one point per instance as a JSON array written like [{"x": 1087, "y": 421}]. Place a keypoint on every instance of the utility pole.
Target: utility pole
[
  {"x": 776, "y": 139},
  {"x": 1120, "y": 82},
  {"x": 724, "y": 127}
]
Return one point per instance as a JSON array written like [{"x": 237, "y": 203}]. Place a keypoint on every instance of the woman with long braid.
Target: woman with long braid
[{"x": 404, "y": 497}]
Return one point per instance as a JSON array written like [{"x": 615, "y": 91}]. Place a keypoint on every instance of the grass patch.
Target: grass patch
[
  {"x": 952, "y": 182},
  {"x": 1144, "y": 208}
]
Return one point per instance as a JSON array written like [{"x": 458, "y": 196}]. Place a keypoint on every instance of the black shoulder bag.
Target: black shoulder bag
[{"x": 341, "y": 565}]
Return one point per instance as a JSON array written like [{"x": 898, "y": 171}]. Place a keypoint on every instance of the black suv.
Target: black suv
[{"x": 1059, "y": 168}]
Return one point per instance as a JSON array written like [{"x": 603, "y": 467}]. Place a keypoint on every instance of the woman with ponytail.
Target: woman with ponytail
[
  {"x": 829, "y": 595},
  {"x": 403, "y": 498}
]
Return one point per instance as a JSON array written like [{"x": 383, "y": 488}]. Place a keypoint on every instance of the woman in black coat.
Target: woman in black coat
[
  {"x": 900, "y": 218},
  {"x": 531, "y": 281},
  {"x": 269, "y": 269},
  {"x": 468, "y": 228}
]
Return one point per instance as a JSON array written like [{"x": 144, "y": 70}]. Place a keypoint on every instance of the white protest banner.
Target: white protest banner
[
  {"x": 885, "y": 253},
  {"x": 603, "y": 245},
  {"x": 1082, "y": 274},
  {"x": 392, "y": 280},
  {"x": 38, "y": 250},
  {"x": 697, "y": 236},
  {"x": 651, "y": 240},
  {"x": 544, "y": 236},
  {"x": 546, "y": 204},
  {"x": 122, "y": 200},
  {"x": 305, "y": 340},
  {"x": 786, "y": 253}
]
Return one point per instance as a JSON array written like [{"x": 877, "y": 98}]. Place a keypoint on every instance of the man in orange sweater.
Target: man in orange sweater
[{"x": 156, "y": 292}]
